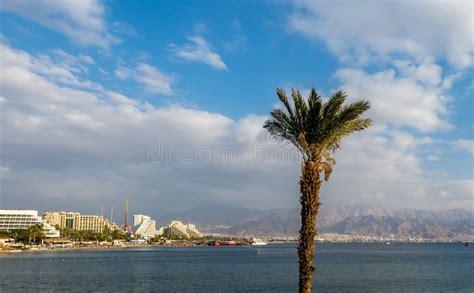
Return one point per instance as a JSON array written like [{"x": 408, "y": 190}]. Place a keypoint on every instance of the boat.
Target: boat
[{"x": 214, "y": 243}]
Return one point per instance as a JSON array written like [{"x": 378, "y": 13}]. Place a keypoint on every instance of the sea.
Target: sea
[{"x": 348, "y": 267}]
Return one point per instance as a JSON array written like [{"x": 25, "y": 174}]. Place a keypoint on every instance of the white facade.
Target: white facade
[
  {"x": 177, "y": 228},
  {"x": 76, "y": 221},
  {"x": 138, "y": 219},
  {"x": 144, "y": 226},
  {"x": 24, "y": 219},
  {"x": 147, "y": 229}
]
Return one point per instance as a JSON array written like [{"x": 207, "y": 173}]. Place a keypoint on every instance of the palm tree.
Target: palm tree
[
  {"x": 315, "y": 127},
  {"x": 35, "y": 233}
]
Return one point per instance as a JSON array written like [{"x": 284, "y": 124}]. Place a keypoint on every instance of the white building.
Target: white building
[
  {"x": 138, "y": 219},
  {"x": 177, "y": 228},
  {"x": 76, "y": 221},
  {"x": 144, "y": 226},
  {"x": 24, "y": 219}
]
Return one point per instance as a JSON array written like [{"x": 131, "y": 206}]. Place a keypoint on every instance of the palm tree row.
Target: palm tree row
[{"x": 32, "y": 235}]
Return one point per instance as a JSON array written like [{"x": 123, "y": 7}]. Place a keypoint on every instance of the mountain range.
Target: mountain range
[{"x": 360, "y": 219}]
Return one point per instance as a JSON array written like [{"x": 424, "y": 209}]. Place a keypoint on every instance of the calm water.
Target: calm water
[{"x": 340, "y": 268}]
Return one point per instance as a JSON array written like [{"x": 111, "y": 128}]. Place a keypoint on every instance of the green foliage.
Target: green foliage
[
  {"x": 315, "y": 126},
  {"x": 32, "y": 235},
  {"x": 119, "y": 234},
  {"x": 82, "y": 235},
  {"x": 321, "y": 124},
  {"x": 4, "y": 234},
  {"x": 157, "y": 239},
  {"x": 20, "y": 235}
]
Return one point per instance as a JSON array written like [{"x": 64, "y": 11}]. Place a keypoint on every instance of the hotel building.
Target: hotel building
[
  {"x": 177, "y": 228},
  {"x": 144, "y": 226},
  {"x": 24, "y": 219},
  {"x": 76, "y": 221}
]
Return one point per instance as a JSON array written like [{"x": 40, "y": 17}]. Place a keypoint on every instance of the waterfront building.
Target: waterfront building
[
  {"x": 144, "y": 226},
  {"x": 24, "y": 219},
  {"x": 138, "y": 219},
  {"x": 177, "y": 228},
  {"x": 76, "y": 221}
]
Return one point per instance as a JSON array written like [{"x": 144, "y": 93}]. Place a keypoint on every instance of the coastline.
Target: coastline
[
  {"x": 90, "y": 247},
  {"x": 181, "y": 244}
]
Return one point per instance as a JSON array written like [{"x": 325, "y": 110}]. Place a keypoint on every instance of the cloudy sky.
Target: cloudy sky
[{"x": 162, "y": 103}]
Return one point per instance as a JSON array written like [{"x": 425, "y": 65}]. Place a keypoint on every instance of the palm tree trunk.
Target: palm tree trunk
[{"x": 310, "y": 184}]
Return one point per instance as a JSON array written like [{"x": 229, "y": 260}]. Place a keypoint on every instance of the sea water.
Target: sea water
[{"x": 355, "y": 267}]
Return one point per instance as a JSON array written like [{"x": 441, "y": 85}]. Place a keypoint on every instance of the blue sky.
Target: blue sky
[
  {"x": 242, "y": 35},
  {"x": 115, "y": 78}
]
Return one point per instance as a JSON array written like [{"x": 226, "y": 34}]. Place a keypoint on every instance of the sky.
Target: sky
[{"x": 162, "y": 103}]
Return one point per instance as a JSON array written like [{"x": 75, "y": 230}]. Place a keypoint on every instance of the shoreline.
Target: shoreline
[
  {"x": 95, "y": 247},
  {"x": 130, "y": 246}
]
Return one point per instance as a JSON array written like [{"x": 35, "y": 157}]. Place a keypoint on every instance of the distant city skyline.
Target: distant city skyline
[{"x": 88, "y": 98}]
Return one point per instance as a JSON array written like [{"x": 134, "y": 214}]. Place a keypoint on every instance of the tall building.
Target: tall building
[
  {"x": 177, "y": 228},
  {"x": 144, "y": 226},
  {"x": 138, "y": 219},
  {"x": 24, "y": 219},
  {"x": 76, "y": 221}
]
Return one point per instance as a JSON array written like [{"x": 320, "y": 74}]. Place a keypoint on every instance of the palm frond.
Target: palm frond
[
  {"x": 301, "y": 109},
  {"x": 316, "y": 127},
  {"x": 326, "y": 169},
  {"x": 284, "y": 100}
]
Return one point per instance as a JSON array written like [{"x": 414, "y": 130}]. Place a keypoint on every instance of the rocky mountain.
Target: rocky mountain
[
  {"x": 280, "y": 222},
  {"x": 367, "y": 220},
  {"x": 402, "y": 228},
  {"x": 215, "y": 217}
]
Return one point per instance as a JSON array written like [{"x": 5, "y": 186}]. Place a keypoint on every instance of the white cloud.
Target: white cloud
[
  {"x": 123, "y": 28},
  {"x": 3, "y": 171},
  {"x": 103, "y": 71},
  {"x": 427, "y": 72},
  {"x": 465, "y": 144},
  {"x": 411, "y": 95},
  {"x": 151, "y": 78},
  {"x": 198, "y": 49},
  {"x": 377, "y": 168},
  {"x": 76, "y": 148},
  {"x": 81, "y": 21},
  {"x": 364, "y": 31},
  {"x": 431, "y": 158},
  {"x": 76, "y": 64},
  {"x": 59, "y": 67},
  {"x": 403, "y": 46}
]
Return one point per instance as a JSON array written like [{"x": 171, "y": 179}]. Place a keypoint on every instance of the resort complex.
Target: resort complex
[
  {"x": 24, "y": 219},
  {"x": 76, "y": 221},
  {"x": 145, "y": 227},
  {"x": 177, "y": 228},
  {"x": 54, "y": 222}
]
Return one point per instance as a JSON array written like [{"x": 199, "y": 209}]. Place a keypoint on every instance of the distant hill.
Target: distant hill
[
  {"x": 214, "y": 217},
  {"x": 361, "y": 219},
  {"x": 387, "y": 226},
  {"x": 278, "y": 223}
]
